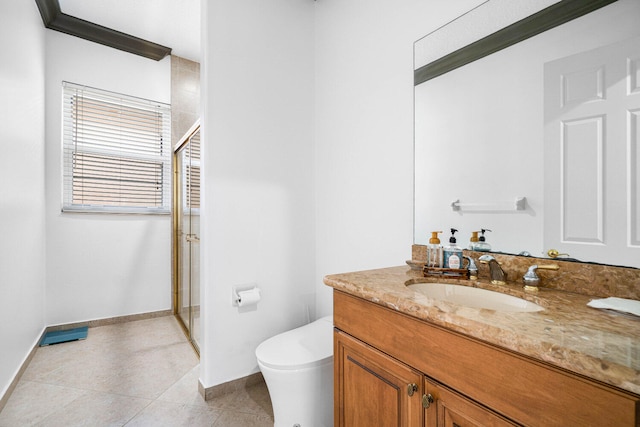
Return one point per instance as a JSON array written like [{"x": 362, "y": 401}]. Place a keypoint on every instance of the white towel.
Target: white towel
[{"x": 619, "y": 304}]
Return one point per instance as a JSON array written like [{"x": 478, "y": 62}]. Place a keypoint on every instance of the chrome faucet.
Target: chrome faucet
[
  {"x": 531, "y": 279},
  {"x": 471, "y": 267},
  {"x": 498, "y": 276}
]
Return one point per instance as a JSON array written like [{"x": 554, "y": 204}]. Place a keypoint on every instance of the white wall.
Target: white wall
[
  {"x": 364, "y": 130},
  {"x": 258, "y": 202},
  {"x": 100, "y": 265},
  {"x": 22, "y": 199}
]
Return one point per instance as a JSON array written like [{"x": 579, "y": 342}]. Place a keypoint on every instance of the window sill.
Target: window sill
[{"x": 116, "y": 211}]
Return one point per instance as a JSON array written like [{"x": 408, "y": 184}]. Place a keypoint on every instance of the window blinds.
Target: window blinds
[
  {"x": 192, "y": 173},
  {"x": 116, "y": 152}
]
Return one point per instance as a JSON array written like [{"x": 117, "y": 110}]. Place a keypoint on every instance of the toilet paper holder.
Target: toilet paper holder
[{"x": 236, "y": 290}]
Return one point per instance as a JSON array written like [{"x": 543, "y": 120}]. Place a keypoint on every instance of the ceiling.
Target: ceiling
[{"x": 171, "y": 23}]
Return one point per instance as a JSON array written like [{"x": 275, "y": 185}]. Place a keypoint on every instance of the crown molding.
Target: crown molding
[
  {"x": 54, "y": 19},
  {"x": 552, "y": 16}
]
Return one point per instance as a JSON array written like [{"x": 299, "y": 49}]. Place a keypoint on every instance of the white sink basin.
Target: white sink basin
[{"x": 474, "y": 297}]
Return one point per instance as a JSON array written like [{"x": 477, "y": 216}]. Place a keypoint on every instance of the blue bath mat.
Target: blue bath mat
[{"x": 56, "y": 337}]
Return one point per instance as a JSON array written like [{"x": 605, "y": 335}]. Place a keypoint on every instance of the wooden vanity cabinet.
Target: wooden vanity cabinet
[
  {"x": 375, "y": 390},
  {"x": 451, "y": 409},
  {"x": 380, "y": 355}
]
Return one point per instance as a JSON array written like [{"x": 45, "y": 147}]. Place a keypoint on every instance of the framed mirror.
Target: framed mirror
[{"x": 482, "y": 131}]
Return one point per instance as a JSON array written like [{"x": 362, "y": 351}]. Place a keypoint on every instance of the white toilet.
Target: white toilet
[{"x": 297, "y": 366}]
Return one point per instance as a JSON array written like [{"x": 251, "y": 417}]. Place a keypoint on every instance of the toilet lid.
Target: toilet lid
[{"x": 303, "y": 347}]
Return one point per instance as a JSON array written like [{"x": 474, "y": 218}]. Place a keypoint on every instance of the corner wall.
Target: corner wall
[
  {"x": 22, "y": 197},
  {"x": 101, "y": 265}
]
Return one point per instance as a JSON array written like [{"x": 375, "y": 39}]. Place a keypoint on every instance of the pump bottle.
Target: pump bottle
[
  {"x": 482, "y": 244},
  {"x": 452, "y": 253},
  {"x": 434, "y": 251},
  {"x": 473, "y": 240}
]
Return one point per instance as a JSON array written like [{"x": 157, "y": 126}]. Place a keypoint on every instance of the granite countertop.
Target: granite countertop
[{"x": 600, "y": 344}]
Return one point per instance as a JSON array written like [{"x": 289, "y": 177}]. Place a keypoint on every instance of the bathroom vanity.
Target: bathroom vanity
[{"x": 404, "y": 359}]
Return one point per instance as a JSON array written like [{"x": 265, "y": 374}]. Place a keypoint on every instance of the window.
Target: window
[{"x": 116, "y": 152}]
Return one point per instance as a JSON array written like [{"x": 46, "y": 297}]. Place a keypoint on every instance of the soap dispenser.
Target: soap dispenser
[
  {"x": 434, "y": 251},
  {"x": 473, "y": 241},
  {"x": 482, "y": 244},
  {"x": 452, "y": 253}
]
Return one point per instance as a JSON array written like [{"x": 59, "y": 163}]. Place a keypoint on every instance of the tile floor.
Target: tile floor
[{"x": 141, "y": 373}]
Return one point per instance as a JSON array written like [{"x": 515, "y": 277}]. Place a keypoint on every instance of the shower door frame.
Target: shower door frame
[{"x": 177, "y": 235}]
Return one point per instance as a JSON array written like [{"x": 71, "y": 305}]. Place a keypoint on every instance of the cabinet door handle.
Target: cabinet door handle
[
  {"x": 427, "y": 400},
  {"x": 412, "y": 388}
]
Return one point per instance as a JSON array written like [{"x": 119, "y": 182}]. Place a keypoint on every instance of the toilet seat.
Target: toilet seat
[{"x": 304, "y": 347}]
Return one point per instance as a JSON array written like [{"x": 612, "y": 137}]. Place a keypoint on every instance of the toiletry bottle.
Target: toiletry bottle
[
  {"x": 473, "y": 240},
  {"x": 452, "y": 253},
  {"x": 482, "y": 245},
  {"x": 434, "y": 251}
]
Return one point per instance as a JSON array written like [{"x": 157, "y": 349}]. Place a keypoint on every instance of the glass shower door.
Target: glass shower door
[{"x": 187, "y": 236}]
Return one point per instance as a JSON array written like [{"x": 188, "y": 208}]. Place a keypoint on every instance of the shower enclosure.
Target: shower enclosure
[{"x": 186, "y": 238}]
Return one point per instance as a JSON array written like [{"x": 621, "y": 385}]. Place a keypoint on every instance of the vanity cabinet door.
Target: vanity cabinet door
[
  {"x": 372, "y": 389},
  {"x": 450, "y": 409}
]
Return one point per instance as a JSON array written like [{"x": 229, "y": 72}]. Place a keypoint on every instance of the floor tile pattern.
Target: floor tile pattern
[{"x": 141, "y": 373}]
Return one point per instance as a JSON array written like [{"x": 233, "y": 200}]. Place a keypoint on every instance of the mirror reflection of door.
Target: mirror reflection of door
[
  {"x": 591, "y": 157},
  {"x": 187, "y": 238}
]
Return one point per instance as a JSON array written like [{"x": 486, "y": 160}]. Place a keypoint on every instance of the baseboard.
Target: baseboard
[
  {"x": 16, "y": 379},
  {"x": 111, "y": 320},
  {"x": 91, "y": 324},
  {"x": 230, "y": 386}
]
